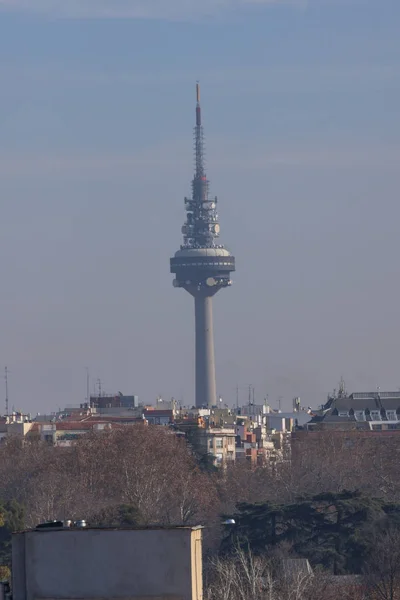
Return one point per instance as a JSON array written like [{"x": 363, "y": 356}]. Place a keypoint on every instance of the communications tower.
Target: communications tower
[{"x": 202, "y": 266}]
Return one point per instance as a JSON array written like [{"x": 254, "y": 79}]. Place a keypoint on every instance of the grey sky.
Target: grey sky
[{"x": 303, "y": 144}]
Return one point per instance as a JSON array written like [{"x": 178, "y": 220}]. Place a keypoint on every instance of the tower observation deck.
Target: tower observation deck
[{"x": 202, "y": 266}]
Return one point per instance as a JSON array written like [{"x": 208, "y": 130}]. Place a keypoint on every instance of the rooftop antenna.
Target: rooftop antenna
[
  {"x": 99, "y": 386},
  {"x": 237, "y": 397},
  {"x": 87, "y": 385},
  {"x": 342, "y": 389},
  {"x": 6, "y": 372}
]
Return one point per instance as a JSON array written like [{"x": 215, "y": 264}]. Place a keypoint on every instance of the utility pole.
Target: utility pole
[
  {"x": 87, "y": 386},
  {"x": 6, "y": 372}
]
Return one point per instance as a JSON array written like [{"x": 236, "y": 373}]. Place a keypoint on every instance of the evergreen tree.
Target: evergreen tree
[
  {"x": 120, "y": 515},
  {"x": 329, "y": 529},
  {"x": 204, "y": 459},
  {"x": 12, "y": 518}
]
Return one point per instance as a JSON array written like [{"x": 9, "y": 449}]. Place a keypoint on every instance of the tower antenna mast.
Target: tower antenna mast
[{"x": 202, "y": 266}]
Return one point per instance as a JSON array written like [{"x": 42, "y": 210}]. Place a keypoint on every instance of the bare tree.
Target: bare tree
[
  {"x": 148, "y": 468},
  {"x": 382, "y": 569},
  {"x": 242, "y": 576}
]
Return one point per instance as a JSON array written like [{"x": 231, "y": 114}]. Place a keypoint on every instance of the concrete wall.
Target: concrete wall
[
  {"x": 107, "y": 563},
  {"x": 18, "y": 428},
  {"x": 276, "y": 422}
]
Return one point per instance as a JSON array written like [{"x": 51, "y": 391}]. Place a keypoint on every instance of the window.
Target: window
[
  {"x": 376, "y": 415},
  {"x": 359, "y": 415},
  {"x": 391, "y": 415},
  {"x": 343, "y": 413},
  {"x": 219, "y": 443}
]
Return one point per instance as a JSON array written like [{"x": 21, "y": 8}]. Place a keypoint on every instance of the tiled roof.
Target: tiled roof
[
  {"x": 157, "y": 413},
  {"x": 356, "y": 403},
  {"x": 112, "y": 419},
  {"x": 73, "y": 426}
]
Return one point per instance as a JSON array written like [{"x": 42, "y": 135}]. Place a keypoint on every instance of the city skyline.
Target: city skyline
[{"x": 303, "y": 143}]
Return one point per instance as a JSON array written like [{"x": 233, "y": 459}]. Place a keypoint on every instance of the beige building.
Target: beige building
[
  {"x": 220, "y": 442},
  {"x": 85, "y": 563},
  {"x": 65, "y": 433},
  {"x": 15, "y": 424}
]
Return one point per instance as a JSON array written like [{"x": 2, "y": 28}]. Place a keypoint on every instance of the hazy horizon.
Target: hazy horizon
[{"x": 300, "y": 105}]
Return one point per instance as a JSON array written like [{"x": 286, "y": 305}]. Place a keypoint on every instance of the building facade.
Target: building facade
[
  {"x": 219, "y": 443},
  {"x": 85, "y": 563},
  {"x": 362, "y": 411}
]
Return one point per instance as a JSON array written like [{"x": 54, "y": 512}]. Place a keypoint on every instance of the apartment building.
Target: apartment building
[{"x": 220, "y": 442}]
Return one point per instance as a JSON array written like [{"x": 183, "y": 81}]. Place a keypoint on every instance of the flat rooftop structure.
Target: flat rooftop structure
[{"x": 97, "y": 563}]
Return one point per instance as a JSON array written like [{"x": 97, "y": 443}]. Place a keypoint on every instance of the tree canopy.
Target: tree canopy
[
  {"x": 330, "y": 529},
  {"x": 11, "y": 519}
]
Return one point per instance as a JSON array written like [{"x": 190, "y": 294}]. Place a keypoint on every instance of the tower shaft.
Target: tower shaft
[{"x": 206, "y": 393}]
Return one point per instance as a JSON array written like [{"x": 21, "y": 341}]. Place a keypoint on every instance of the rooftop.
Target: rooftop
[
  {"x": 89, "y": 528},
  {"x": 360, "y": 407}
]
